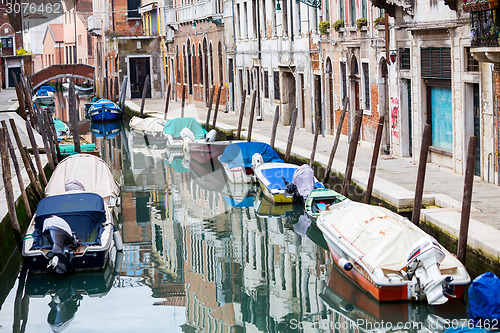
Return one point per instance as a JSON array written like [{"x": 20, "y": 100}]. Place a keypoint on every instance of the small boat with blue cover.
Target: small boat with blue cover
[
  {"x": 279, "y": 181},
  {"x": 62, "y": 129},
  {"x": 73, "y": 227},
  {"x": 320, "y": 200},
  {"x": 180, "y": 131},
  {"x": 237, "y": 160},
  {"x": 104, "y": 110},
  {"x": 45, "y": 96}
]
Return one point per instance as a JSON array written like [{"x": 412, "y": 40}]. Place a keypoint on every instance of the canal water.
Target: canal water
[{"x": 203, "y": 255}]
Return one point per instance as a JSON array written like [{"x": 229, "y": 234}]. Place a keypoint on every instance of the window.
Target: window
[
  {"x": 472, "y": 64},
  {"x": 274, "y": 18},
  {"x": 264, "y": 17},
  {"x": 353, "y": 13},
  {"x": 200, "y": 63},
  {"x": 211, "y": 65},
  {"x": 276, "y": 85},
  {"x": 195, "y": 74},
  {"x": 405, "y": 58},
  {"x": 343, "y": 78},
  {"x": 221, "y": 65},
  {"x": 132, "y": 7},
  {"x": 366, "y": 82},
  {"x": 79, "y": 40},
  {"x": 90, "y": 46},
  {"x": 341, "y": 10},
  {"x": 284, "y": 10},
  {"x": 436, "y": 63},
  {"x": 245, "y": 20},
  {"x": 248, "y": 82},
  {"x": 242, "y": 87},
  {"x": 178, "y": 63},
  {"x": 364, "y": 8},
  {"x": 254, "y": 19},
  {"x": 266, "y": 85}
]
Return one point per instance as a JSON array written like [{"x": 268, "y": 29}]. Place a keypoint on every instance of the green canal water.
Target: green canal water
[{"x": 202, "y": 255}]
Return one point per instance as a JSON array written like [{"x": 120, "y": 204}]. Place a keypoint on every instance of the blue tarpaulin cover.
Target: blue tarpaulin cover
[
  {"x": 245, "y": 202},
  {"x": 240, "y": 154},
  {"x": 104, "y": 104},
  {"x": 176, "y": 125},
  {"x": 43, "y": 90},
  {"x": 484, "y": 300}
]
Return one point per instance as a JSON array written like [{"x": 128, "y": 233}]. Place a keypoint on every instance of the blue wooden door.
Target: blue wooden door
[{"x": 442, "y": 118}]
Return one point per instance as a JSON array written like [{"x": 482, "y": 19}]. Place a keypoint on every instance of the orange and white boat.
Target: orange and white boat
[{"x": 388, "y": 256}]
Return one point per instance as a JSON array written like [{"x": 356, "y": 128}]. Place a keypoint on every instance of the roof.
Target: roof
[{"x": 57, "y": 32}]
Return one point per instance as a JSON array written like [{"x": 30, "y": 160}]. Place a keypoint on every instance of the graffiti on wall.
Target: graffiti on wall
[{"x": 394, "y": 117}]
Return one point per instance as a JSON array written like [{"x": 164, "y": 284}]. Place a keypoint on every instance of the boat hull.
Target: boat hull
[
  {"x": 203, "y": 152},
  {"x": 104, "y": 115},
  {"x": 89, "y": 262},
  {"x": 270, "y": 177}
]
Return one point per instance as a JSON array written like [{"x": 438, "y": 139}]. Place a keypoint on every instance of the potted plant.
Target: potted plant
[
  {"x": 338, "y": 24},
  {"x": 379, "y": 20},
  {"x": 324, "y": 26},
  {"x": 361, "y": 22}
]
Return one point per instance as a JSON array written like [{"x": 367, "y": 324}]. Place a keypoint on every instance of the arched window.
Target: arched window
[
  {"x": 184, "y": 63},
  {"x": 195, "y": 78},
  {"x": 221, "y": 65},
  {"x": 200, "y": 63},
  {"x": 178, "y": 63}
]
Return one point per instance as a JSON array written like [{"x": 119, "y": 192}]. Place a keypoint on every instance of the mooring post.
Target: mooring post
[
  {"x": 291, "y": 134},
  {"x": 353, "y": 147},
  {"x": 73, "y": 117},
  {"x": 144, "y": 92},
  {"x": 209, "y": 111},
  {"x": 54, "y": 136},
  {"x": 116, "y": 89},
  {"x": 167, "y": 102},
  {"x": 315, "y": 141},
  {"x": 123, "y": 92},
  {"x": 20, "y": 98},
  {"x": 336, "y": 140},
  {"x": 376, "y": 152},
  {"x": 242, "y": 113},
  {"x": 29, "y": 103},
  {"x": 17, "y": 168},
  {"x": 216, "y": 107},
  {"x": 252, "y": 113},
  {"x": 9, "y": 193},
  {"x": 26, "y": 160},
  {"x": 466, "y": 201},
  {"x": 41, "y": 124},
  {"x": 275, "y": 125},
  {"x": 49, "y": 126},
  {"x": 34, "y": 146},
  {"x": 422, "y": 165},
  {"x": 183, "y": 102}
]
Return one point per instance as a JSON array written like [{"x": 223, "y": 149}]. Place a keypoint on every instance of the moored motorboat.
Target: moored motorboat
[
  {"x": 320, "y": 199},
  {"x": 62, "y": 129},
  {"x": 104, "y": 110},
  {"x": 280, "y": 183},
  {"x": 237, "y": 160},
  {"x": 150, "y": 126},
  {"x": 203, "y": 152},
  {"x": 388, "y": 256},
  {"x": 73, "y": 227},
  {"x": 180, "y": 131},
  {"x": 45, "y": 96}
]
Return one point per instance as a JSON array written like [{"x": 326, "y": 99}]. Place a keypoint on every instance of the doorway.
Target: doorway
[
  {"x": 317, "y": 104},
  {"x": 288, "y": 97},
  {"x": 477, "y": 127},
  {"x": 406, "y": 119},
  {"x": 139, "y": 69}
]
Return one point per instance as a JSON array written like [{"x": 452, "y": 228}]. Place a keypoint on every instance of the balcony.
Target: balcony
[
  {"x": 94, "y": 25},
  {"x": 199, "y": 10},
  {"x": 484, "y": 30}
]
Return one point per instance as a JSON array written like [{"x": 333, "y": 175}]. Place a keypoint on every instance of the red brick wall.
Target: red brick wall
[
  {"x": 370, "y": 122},
  {"x": 122, "y": 26},
  {"x": 496, "y": 111}
]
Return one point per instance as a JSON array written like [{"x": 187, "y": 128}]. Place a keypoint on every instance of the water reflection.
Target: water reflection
[{"x": 224, "y": 256}]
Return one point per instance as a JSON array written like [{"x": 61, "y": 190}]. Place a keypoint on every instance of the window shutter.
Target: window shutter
[{"x": 436, "y": 63}]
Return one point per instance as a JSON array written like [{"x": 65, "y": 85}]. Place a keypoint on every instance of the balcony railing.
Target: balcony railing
[
  {"x": 198, "y": 10},
  {"x": 485, "y": 28},
  {"x": 94, "y": 25}
]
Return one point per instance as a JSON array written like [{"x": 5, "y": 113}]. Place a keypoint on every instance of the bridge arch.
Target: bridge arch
[{"x": 53, "y": 72}]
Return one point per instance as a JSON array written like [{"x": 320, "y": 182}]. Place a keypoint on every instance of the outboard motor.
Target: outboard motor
[
  {"x": 186, "y": 134},
  {"x": 210, "y": 136},
  {"x": 303, "y": 178},
  {"x": 257, "y": 160},
  {"x": 423, "y": 264},
  {"x": 61, "y": 238}
]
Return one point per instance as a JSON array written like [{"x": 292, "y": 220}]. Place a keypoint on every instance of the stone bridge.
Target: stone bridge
[{"x": 53, "y": 72}]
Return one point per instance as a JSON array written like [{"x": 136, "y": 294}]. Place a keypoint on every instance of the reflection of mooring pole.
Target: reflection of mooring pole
[
  {"x": 422, "y": 165},
  {"x": 376, "y": 152},
  {"x": 466, "y": 201}
]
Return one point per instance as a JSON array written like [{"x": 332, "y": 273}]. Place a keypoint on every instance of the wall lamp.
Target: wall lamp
[
  {"x": 278, "y": 5},
  {"x": 393, "y": 56}
]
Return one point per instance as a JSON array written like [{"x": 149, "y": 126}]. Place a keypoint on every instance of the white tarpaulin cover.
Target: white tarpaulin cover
[
  {"x": 89, "y": 170},
  {"x": 381, "y": 237},
  {"x": 150, "y": 124},
  {"x": 303, "y": 178}
]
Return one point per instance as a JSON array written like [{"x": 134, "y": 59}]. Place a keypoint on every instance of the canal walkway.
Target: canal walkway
[{"x": 395, "y": 177}]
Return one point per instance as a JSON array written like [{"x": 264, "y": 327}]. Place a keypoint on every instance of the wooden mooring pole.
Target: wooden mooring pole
[
  {"x": 275, "y": 125},
  {"x": 466, "y": 201},
  {"x": 73, "y": 117},
  {"x": 315, "y": 142},
  {"x": 36, "y": 153},
  {"x": 20, "y": 99},
  {"x": 242, "y": 113},
  {"x": 183, "y": 100},
  {"x": 54, "y": 135},
  {"x": 376, "y": 152},
  {"x": 9, "y": 193},
  {"x": 422, "y": 165},
  {"x": 26, "y": 160},
  {"x": 252, "y": 113},
  {"x": 353, "y": 147},
  {"x": 123, "y": 93},
  {"x": 216, "y": 107},
  {"x": 41, "y": 124},
  {"x": 144, "y": 92},
  {"x": 116, "y": 89},
  {"x": 17, "y": 168},
  {"x": 209, "y": 111},
  {"x": 50, "y": 131},
  {"x": 336, "y": 140},
  {"x": 291, "y": 134},
  {"x": 167, "y": 102}
]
